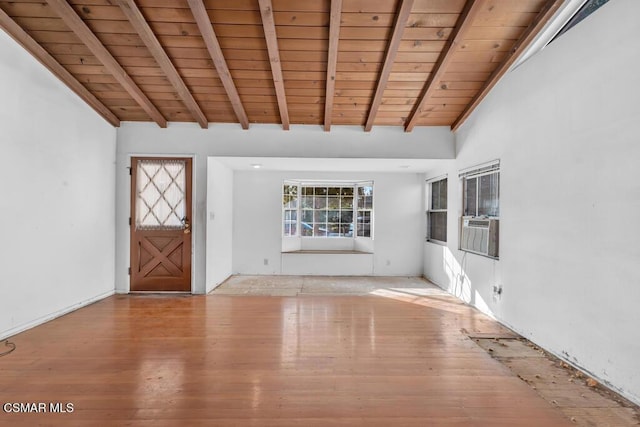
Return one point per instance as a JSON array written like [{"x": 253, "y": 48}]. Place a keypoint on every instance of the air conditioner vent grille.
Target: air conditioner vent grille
[
  {"x": 480, "y": 236},
  {"x": 478, "y": 223}
]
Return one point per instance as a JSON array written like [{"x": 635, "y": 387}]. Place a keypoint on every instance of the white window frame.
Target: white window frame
[
  {"x": 487, "y": 226},
  {"x": 489, "y": 168},
  {"x": 430, "y": 210},
  {"x": 342, "y": 184}
]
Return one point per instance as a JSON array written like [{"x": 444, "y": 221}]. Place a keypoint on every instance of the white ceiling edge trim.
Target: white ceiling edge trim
[
  {"x": 551, "y": 28},
  {"x": 299, "y": 164}
]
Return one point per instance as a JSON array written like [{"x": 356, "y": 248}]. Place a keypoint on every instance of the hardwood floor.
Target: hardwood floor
[{"x": 392, "y": 359}]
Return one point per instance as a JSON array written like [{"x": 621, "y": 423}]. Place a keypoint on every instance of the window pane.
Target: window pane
[
  {"x": 306, "y": 229},
  {"x": 307, "y": 202},
  {"x": 333, "y": 230},
  {"x": 439, "y": 194},
  {"x": 347, "y": 229},
  {"x": 488, "y": 197},
  {"x": 290, "y": 196},
  {"x": 320, "y": 202},
  {"x": 368, "y": 202},
  {"x": 290, "y": 222},
  {"x": 346, "y": 191},
  {"x": 435, "y": 195},
  {"x": 346, "y": 217},
  {"x": 470, "y": 191},
  {"x": 438, "y": 226},
  {"x": 347, "y": 202},
  {"x": 320, "y": 230},
  {"x": 307, "y": 215},
  {"x": 333, "y": 216},
  {"x": 365, "y": 202},
  {"x": 365, "y": 197},
  {"x": 334, "y": 202},
  {"x": 320, "y": 191},
  {"x": 319, "y": 216},
  {"x": 364, "y": 224},
  {"x": 160, "y": 198},
  {"x": 334, "y": 191},
  {"x": 443, "y": 194}
]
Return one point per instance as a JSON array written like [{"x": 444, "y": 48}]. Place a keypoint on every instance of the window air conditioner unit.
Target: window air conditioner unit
[{"x": 480, "y": 236}]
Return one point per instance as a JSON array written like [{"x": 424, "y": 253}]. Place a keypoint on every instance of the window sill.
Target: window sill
[
  {"x": 495, "y": 258},
  {"x": 436, "y": 242}
]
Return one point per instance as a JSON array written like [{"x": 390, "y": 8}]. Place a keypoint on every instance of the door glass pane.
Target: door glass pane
[{"x": 160, "y": 198}]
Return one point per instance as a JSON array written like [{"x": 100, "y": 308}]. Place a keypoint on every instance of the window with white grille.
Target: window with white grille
[{"x": 327, "y": 209}]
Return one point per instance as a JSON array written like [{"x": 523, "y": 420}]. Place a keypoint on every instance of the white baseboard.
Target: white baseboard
[{"x": 39, "y": 321}]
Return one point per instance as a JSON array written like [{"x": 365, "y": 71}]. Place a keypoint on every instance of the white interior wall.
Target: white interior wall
[
  {"x": 260, "y": 140},
  {"x": 219, "y": 243},
  {"x": 398, "y": 216},
  {"x": 565, "y": 126},
  {"x": 58, "y": 196},
  {"x": 567, "y": 255}
]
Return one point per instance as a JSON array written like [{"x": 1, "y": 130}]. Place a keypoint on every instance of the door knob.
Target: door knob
[{"x": 187, "y": 225}]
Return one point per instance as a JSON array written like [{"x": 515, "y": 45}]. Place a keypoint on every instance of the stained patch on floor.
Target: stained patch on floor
[{"x": 581, "y": 398}]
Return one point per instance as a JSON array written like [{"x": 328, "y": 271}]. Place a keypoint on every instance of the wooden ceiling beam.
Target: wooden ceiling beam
[
  {"x": 77, "y": 25},
  {"x": 27, "y": 42},
  {"x": 464, "y": 22},
  {"x": 332, "y": 61},
  {"x": 398, "y": 30},
  {"x": 525, "y": 40},
  {"x": 268, "y": 23},
  {"x": 139, "y": 23},
  {"x": 213, "y": 46}
]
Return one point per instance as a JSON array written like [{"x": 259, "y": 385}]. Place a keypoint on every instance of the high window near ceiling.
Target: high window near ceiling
[{"x": 327, "y": 211}]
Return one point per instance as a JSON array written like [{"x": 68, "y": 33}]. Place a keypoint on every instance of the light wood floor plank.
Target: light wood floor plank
[{"x": 388, "y": 359}]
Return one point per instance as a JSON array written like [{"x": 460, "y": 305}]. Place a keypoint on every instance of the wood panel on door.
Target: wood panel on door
[{"x": 160, "y": 224}]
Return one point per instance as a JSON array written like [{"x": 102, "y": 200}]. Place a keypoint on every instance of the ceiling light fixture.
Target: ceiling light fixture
[{"x": 256, "y": 165}]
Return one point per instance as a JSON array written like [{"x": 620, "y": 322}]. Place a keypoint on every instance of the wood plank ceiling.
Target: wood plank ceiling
[{"x": 326, "y": 62}]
